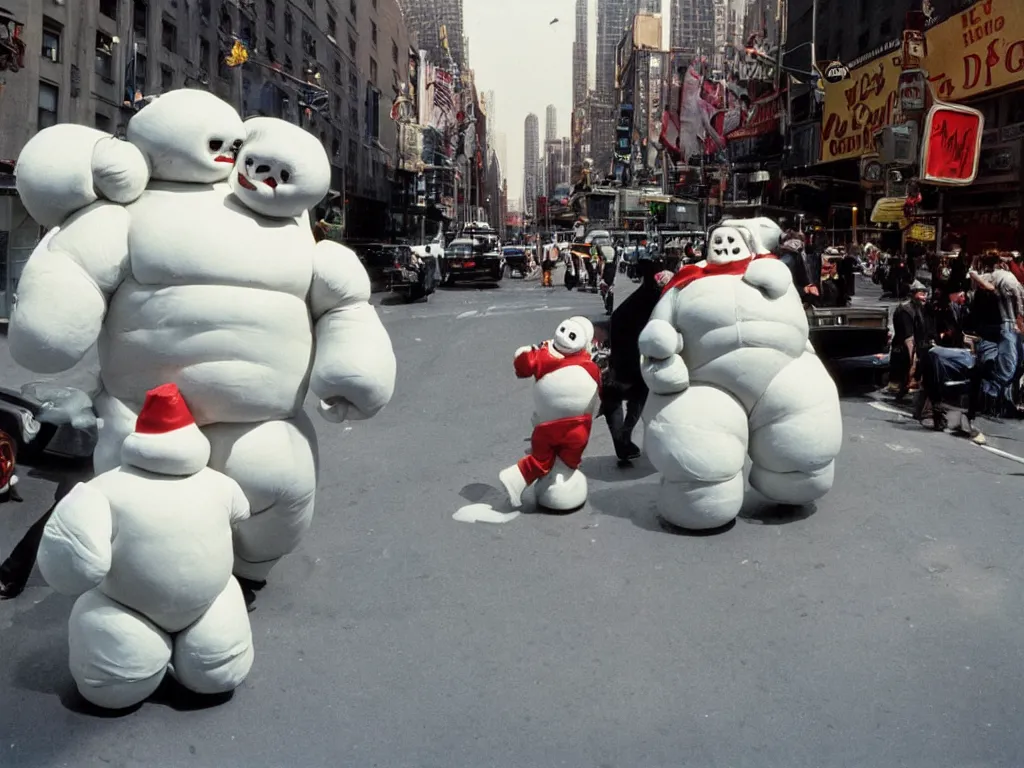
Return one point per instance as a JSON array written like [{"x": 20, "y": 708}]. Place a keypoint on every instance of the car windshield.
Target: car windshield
[{"x": 460, "y": 250}]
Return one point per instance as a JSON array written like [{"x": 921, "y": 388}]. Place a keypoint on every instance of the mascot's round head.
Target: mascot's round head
[
  {"x": 728, "y": 244},
  {"x": 573, "y": 335},
  {"x": 188, "y": 136},
  {"x": 282, "y": 170}
]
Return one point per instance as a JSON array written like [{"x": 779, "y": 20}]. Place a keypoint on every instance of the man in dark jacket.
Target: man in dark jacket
[{"x": 625, "y": 384}]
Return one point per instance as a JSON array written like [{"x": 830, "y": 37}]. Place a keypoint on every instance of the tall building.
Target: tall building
[
  {"x": 427, "y": 18},
  {"x": 693, "y": 27},
  {"x": 556, "y": 165},
  {"x": 613, "y": 18},
  {"x": 501, "y": 147},
  {"x": 531, "y": 162},
  {"x": 580, "y": 62},
  {"x": 550, "y": 123},
  {"x": 85, "y": 60}
]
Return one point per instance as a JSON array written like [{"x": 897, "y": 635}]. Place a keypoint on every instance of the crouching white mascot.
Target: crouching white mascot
[
  {"x": 147, "y": 548},
  {"x": 212, "y": 280},
  {"x": 566, "y": 397},
  {"x": 731, "y": 373}
]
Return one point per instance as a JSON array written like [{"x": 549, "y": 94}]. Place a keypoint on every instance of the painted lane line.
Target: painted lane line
[
  {"x": 889, "y": 409},
  {"x": 1003, "y": 454}
]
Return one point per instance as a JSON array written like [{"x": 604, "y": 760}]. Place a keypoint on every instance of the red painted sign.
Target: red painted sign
[{"x": 952, "y": 144}]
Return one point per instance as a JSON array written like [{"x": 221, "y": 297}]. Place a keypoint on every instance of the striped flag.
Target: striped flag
[{"x": 443, "y": 97}]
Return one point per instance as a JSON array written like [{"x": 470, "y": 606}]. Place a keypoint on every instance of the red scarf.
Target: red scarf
[
  {"x": 692, "y": 272},
  {"x": 540, "y": 362}
]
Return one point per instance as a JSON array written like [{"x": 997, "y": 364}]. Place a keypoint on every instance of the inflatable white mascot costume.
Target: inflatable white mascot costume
[
  {"x": 211, "y": 280},
  {"x": 731, "y": 372},
  {"x": 146, "y": 547},
  {"x": 566, "y": 398}
]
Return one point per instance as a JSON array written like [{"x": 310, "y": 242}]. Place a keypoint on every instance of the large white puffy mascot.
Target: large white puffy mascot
[
  {"x": 146, "y": 547},
  {"x": 212, "y": 280},
  {"x": 566, "y": 397},
  {"x": 731, "y": 373}
]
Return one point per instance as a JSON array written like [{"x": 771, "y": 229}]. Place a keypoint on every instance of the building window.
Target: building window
[
  {"x": 332, "y": 26},
  {"x": 271, "y": 13},
  {"x": 352, "y": 9},
  {"x": 353, "y": 85},
  {"x": 169, "y": 36},
  {"x": 373, "y": 71},
  {"x": 311, "y": 4},
  {"x": 102, "y": 122},
  {"x": 288, "y": 66},
  {"x": 373, "y": 33},
  {"x": 109, "y": 8},
  {"x": 104, "y": 56},
  {"x": 204, "y": 55},
  {"x": 51, "y": 39},
  {"x": 335, "y": 149},
  {"x": 140, "y": 18},
  {"x": 374, "y": 2},
  {"x": 289, "y": 25},
  {"x": 268, "y": 49},
  {"x": 353, "y": 116},
  {"x": 309, "y": 45},
  {"x": 49, "y": 98},
  {"x": 337, "y": 70},
  {"x": 372, "y": 113},
  {"x": 166, "y": 79},
  {"x": 205, "y": 9},
  {"x": 140, "y": 73},
  {"x": 353, "y": 152},
  {"x": 394, "y": 51},
  {"x": 352, "y": 46}
]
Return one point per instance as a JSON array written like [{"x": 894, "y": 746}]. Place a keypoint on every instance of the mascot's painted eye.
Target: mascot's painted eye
[
  {"x": 237, "y": 144},
  {"x": 572, "y": 337},
  {"x": 285, "y": 176},
  {"x": 215, "y": 145},
  {"x": 248, "y": 162}
]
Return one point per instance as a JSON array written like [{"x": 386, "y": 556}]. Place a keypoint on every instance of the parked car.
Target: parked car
[
  {"x": 45, "y": 419},
  {"x": 469, "y": 259},
  {"x": 515, "y": 260},
  {"x": 413, "y": 276}
]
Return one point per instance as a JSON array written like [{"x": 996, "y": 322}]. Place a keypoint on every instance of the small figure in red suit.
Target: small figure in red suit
[{"x": 566, "y": 397}]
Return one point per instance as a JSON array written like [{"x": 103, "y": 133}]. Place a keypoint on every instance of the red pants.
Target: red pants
[{"x": 564, "y": 439}]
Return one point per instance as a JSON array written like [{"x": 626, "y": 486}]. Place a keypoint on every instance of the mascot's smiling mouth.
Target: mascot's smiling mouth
[
  {"x": 245, "y": 182},
  {"x": 225, "y": 159}
]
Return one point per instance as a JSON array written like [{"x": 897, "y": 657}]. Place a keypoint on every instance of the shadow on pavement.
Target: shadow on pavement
[{"x": 607, "y": 469}]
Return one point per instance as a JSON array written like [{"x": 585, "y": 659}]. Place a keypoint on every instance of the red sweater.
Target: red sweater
[{"x": 539, "y": 362}]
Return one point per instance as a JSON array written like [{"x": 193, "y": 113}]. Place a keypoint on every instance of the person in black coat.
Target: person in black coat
[{"x": 624, "y": 385}]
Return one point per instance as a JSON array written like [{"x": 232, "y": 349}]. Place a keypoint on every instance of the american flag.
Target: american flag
[{"x": 444, "y": 100}]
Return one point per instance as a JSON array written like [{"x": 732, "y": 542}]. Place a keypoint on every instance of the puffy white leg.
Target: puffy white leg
[
  {"x": 562, "y": 489},
  {"x": 214, "y": 655},
  {"x": 117, "y": 657},
  {"x": 796, "y": 432},
  {"x": 118, "y": 421},
  {"x": 276, "y": 465},
  {"x": 697, "y": 439}
]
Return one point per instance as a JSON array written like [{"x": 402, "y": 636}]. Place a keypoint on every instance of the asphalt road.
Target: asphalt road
[{"x": 881, "y": 628}]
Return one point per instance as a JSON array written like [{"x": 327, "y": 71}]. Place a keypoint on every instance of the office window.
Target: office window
[
  {"x": 49, "y": 98},
  {"x": 289, "y": 25},
  {"x": 51, "y": 39},
  {"x": 337, "y": 70},
  {"x": 335, "y": 149},
  {"x": 373, "y": 33},
  {"x": 166, "y": 79},
  {"x": 394, "y": 51},
  {"x": 332, "y": 26},
  {"x": 169, "y": 36},
  {"x": 353, "y": 85},
  {"x": 271, "y": 13},
  {"x": 140, "y": 18},
  {"x": 103, "y": 122},
  {"x": 352, "y": 45},
  {"x": 104, "y": 56},
  {"x": 373, "y": 71},
  {"x": 109, "y": 8},
  {"x": 268, "y": 49},
  {"x": 353, "y": 116}
]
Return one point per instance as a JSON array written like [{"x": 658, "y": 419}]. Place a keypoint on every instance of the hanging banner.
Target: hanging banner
[
  {"x": 952, "y": 144},
  {"x": 971, "y": 53},
  {"x": 889, "y": 210},
  {"x": 922, "y": 233},
  {"x": 762, "y": 117}
]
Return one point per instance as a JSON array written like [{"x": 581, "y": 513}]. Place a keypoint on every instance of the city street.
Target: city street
[{"x": 881, "y": 628}]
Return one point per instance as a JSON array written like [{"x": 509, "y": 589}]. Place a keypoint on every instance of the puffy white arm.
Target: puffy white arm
[
  {"x": 75, "y": 552},
  {"x": 354, "y": 368},
  {"x": 67, "y": 167},
  {"x": 661, "y": 365},
  {"x": 240, "y": 509},
  {"x": 770, "y": 276},
  {"x": 63, "y": 293}
]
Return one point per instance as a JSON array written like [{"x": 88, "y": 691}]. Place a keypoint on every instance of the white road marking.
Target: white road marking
[
  {"x": 1003, "y": 454},
  {"x": 889, "y": 409},
  {"x": 901, "y": 448},
  {"x": 464, "y": 315},
  {"x": 483, "y": 513}
]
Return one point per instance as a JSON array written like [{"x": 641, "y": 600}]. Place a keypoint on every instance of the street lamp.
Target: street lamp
[{"x": 855, "y": 225}]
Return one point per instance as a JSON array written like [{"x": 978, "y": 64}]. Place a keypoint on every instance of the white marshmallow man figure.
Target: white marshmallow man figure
[
  {"x": 146, "y": 548},
  {"x": 732, "y": 373}
]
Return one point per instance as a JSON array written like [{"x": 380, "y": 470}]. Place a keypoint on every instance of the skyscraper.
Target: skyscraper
[
  {"x": 426, "y": 17},
  {"x": 693, "y": 26},
  {"x": 579, "y": 56},
  {"x": 531, "y": 161},
  {"x": 551, "y": 123}
]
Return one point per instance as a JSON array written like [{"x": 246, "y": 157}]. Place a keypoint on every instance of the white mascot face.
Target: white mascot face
[
  {"x": 727, "y": 244},
  {"x": 282, "y": 170},
  {"x": 188, "y": 136},
  {"x": 573, "y": 335}
]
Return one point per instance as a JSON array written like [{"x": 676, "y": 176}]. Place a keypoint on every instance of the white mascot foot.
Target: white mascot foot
[
  {"x": 697, "y": 439},
  {"x": 514, "y": 484},
  {"x": 562, "y": 489},
  {"x": 214, "y": 655},
  {"x": 117, "y": 657},
  {"x": 276, "y": 464}
]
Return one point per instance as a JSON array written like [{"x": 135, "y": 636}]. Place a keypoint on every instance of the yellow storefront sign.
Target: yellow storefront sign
[
  {"x": 974, "y": 52},
  {"x": 922, "y": 233},
  {"x": 889, "y": 210}
]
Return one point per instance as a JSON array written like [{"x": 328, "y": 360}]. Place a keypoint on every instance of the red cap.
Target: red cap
[{"x": 165, "y": 410}]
